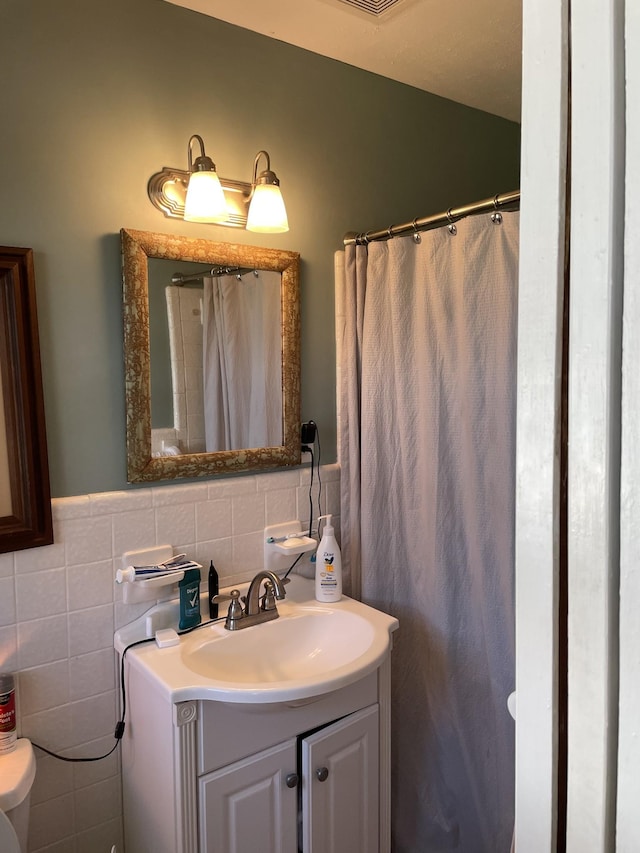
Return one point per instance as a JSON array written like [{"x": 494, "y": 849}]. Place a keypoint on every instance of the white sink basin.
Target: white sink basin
[
  {"x": 305, "y": 642},
  {"x": 309, "y": 650}
]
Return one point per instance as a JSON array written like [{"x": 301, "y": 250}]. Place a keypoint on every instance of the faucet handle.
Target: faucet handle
[
  {"x": 233, "y": 595},
  {"x": 235, "y": 610},
  {"x": 268, "y": 600}
]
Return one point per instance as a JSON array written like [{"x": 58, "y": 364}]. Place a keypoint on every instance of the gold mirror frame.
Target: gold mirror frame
[{"x": 137, "y": 246}]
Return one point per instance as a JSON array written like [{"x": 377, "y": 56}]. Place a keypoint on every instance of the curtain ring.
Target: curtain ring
[
  {"x": 417, "y": 238},
  {"x": 451, "y": 227},
  {"x": 389, "y": 234},
  {"x": 496, "y": 217}
]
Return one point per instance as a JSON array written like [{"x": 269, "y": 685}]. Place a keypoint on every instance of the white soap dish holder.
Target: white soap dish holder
[
  {"x": 136, "y": 590},
  {"x": 283, "y": 543},
  {"x": 295, "y": 545}
]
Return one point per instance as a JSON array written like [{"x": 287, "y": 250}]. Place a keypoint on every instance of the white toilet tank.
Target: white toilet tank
[{"x": 17, "y": 772}]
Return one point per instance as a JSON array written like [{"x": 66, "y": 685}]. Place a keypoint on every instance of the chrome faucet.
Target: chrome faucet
[
  {"x": 257, "y": 608},
  {"x": 273, "y": 587}
]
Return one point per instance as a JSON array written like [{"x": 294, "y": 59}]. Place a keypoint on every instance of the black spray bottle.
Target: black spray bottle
[{"x": 213, "y": 590}]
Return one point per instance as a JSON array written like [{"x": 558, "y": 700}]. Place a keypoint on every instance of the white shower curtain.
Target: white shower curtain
[
  {"x": 242, "y": 361},
  {"x": 427, "y": 352}
]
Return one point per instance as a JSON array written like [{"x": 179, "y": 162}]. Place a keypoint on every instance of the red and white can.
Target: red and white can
[{"x": 8, "y": 734}]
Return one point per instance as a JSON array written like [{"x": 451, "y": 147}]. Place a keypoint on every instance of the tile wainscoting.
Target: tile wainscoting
[{"x": 59, "y": 607}]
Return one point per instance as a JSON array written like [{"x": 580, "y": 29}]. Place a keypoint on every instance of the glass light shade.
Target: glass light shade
[
  {"x": 267, "y": 213},
  {"x": 205, "y": 200}
]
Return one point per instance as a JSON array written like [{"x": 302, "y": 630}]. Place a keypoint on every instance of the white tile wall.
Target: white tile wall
[{"x": 59, "y": 607}]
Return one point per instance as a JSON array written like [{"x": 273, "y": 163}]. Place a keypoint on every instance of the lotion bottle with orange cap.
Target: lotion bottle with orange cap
[{"x": 328, "y": 565}]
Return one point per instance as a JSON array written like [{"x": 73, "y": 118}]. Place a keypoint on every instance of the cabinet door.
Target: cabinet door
[
  {"x": 340, "y": 786},
  {"x": 248, "y": 805}
]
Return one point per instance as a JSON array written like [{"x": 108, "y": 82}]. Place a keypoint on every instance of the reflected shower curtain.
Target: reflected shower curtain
[
  {"x": 427, "y": 359},
  {"x": 242, "y": 361}
]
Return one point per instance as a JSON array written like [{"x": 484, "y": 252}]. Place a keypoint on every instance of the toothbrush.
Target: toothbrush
[
  {"x": 168, "y": 567},
  {"x": 299, "y": 535},
  {"x": 165, "y": 564},
  {"x": 158, "y": 571},
  {"x": 175, "y": 564}
]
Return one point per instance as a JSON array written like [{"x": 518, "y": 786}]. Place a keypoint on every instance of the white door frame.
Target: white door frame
[
  {"x": 540, "y": 308},
  {"x": 598, "y": 532},
  {"x": 627, "y": 823},
  {"x": 595, "y": 346}
]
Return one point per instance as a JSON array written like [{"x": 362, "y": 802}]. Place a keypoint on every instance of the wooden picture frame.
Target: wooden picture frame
[{"x": 25, "y": 496}]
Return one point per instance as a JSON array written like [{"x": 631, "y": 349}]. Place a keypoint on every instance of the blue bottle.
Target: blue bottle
[{"x": 190, "y": 599}]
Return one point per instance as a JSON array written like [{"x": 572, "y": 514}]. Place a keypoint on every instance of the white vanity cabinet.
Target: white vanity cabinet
[
  {"x": 317, "y": 793},
  {"x": 273, "y": 739},
  {"x": 214, "y": 777},
  {"x": 340, "y": 780},
  {"x": 250, "y": 802}
]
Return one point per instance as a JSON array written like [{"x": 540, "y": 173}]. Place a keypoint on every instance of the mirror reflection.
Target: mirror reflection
[
  {"x": 212, "y": 356},
  {"x": 216, "y": 356}
]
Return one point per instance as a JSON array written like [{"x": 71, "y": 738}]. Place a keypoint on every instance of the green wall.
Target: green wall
[{"x": 96, "y": 96}]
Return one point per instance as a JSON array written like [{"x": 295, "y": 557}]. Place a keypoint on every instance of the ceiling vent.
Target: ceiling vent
[{"x": 372, "y": 7}]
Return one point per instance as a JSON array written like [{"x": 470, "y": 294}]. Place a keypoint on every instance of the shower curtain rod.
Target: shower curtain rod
[
  {"x": 180, "y": 279},
  {"x": 505, "y": 201}
]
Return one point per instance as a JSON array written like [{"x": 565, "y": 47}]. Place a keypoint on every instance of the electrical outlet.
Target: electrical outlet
[{"x": 308, "y": 432}]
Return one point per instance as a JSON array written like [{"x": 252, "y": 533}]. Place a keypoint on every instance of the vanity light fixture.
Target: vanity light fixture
[
  {"x": 200, "y": 195},
  {"x": 267, "y": 213},
  {"x": 204, "y": 201}
]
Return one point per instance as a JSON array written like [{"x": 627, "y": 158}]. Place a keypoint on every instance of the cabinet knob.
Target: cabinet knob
[
  {"x": 292, "y": 780},
  {"x": 322, "y": 773}
]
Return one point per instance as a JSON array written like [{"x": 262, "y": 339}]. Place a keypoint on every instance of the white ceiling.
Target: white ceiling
[{"x": 467, "y": 51}]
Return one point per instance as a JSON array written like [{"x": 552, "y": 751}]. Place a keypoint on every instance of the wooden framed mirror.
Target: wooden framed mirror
[
  {"x": 25, "y": 498},
  {"x": 180, "y": 457}
]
